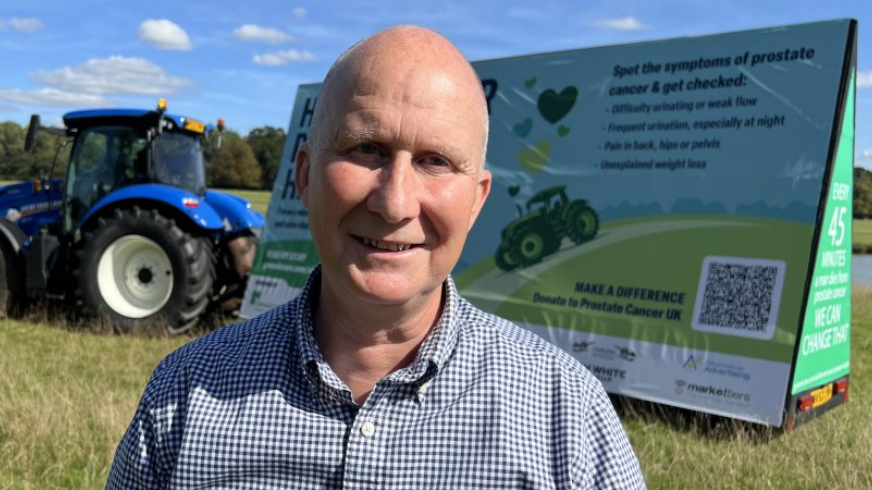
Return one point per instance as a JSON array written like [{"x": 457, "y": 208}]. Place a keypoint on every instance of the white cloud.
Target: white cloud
[
  {"x": 164, "y": 34},
  {"x": 864, "y": 79},
  {"x": 866, "y": 154},
  {"x": 114, "y": 75},
  {"x": 283, "y": 57},
  {"x": 622, "y": 24},
  {"x": 28, "y": 25},
  {"x": 52, "y": 97},
  {"x": 254, "y": 33},
  {"x": 299, "y": 13}
]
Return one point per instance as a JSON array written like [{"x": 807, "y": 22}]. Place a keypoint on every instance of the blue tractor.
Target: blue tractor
[{"x": 131, "y": 236}]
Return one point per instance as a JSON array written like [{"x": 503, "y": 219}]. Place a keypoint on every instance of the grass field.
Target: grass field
[
  {"x": 863, "y": 232},
  {"x": 259, "y": 199},
  {"x": 66, "y": 397}
]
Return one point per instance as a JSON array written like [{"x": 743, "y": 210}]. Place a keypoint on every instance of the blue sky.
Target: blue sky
[{"x": 244, "y": 60}]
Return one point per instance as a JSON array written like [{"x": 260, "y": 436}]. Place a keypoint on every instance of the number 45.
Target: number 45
[{"x": 837, "y": 226}]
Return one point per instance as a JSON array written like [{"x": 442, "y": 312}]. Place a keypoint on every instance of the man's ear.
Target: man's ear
[
  {"x": 301, "y": 172},
  {"x": 481, "y": 193}
]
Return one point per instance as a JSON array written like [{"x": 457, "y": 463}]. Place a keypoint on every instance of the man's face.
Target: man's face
[{"x": 394, "y": 183}]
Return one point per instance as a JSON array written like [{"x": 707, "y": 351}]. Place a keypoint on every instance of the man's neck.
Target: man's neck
[{"x": 363, "y": 343}]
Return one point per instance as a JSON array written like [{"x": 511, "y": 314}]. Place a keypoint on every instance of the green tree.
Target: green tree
[
  {"x": 862, "y": 193},
  {"x": 235, "y": 166},
  {"x": 17, "y": 164},
  {"x": 267, "y": 143}
]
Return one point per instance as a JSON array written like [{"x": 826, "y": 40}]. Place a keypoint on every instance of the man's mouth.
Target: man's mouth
[{"x": 391, "y": 247}]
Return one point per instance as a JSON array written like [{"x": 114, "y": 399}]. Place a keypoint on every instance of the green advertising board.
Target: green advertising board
[{"x": 674, "y": 214}]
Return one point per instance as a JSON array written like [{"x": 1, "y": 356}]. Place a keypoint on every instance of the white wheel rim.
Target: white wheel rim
[{"x": 135, "y": 276}]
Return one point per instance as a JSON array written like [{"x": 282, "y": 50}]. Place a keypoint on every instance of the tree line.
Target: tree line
[
  {"x": 862, "y": 193},
  {"x": 241, "y": 162}
]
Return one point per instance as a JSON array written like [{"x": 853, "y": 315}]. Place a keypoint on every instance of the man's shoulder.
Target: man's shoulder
[
  {"x": 510, "y": 344},
  {"x": 261, "y": 340}
]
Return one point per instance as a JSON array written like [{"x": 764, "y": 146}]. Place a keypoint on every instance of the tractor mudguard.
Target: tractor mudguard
[
  {"x": 236, "y": 210},
  {"x": 189, "y": 204},
  {"x": 11, "y": 234}
]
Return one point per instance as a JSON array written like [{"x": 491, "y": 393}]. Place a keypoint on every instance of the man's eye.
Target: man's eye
[
  {"x": 367, "y": 149},
  {"x": 436, "y": 161}
]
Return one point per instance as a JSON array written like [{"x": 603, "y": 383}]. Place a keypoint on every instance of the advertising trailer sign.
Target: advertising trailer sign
[{"x": 675, "y": 214}]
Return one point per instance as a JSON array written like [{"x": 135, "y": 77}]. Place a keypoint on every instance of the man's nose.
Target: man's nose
[{"x": 396, "y": 194}]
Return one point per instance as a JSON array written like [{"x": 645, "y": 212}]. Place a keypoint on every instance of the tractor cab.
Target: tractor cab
[
  {"x": 547, "y": 201},
  {"x": 115, "y": 148}
]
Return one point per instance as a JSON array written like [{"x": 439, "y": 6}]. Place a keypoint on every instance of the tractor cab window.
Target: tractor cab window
[
  {"x": 103, "y": 158},
  {"x": 178, "y": 162}
]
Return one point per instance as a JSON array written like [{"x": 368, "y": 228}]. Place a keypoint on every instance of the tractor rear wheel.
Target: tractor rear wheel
[
  {"x": 583, "y": 223},
  {"x": 139, "y": 270}
]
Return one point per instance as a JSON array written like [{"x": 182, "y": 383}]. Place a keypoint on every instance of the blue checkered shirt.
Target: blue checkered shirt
[{"x": 485, "y": 404}]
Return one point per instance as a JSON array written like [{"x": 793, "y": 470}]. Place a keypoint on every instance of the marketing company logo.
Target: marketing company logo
[
  {"x": 711, "y": 391},
  {"x": 695, "y": 362},
  {"x": 606, "y": 374}
]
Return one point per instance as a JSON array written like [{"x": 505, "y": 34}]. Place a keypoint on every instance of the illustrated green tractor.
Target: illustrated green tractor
[{"x": 550, "y": 217}]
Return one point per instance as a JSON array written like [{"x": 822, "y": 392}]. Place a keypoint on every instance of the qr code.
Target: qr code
[{"x": 739, "y": 296}]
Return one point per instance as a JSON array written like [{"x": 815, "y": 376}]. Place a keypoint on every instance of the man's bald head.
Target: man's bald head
[{"x": 408, "y": 53}]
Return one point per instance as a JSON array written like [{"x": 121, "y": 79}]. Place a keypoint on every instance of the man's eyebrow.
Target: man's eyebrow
[{"x": 360, "y": 135}]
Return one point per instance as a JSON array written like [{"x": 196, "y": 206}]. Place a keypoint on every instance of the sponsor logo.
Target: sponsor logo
[
  {"x": 711, "y": 391},
  {"x": 605, "y": 373},
  {"x": 691, "y": 362},
  {"x": 581, "y": 347},
  {"x": 625, "y": 353},
  {"x": 618, "y": 352},
  {"x": 727, "y": 369},
  {"x": 695, "y": 362}
]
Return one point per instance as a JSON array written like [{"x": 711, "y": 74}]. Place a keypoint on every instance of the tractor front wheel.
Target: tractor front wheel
[
  {"x": 506, "y": 258},
  {"x": 533, "y": 244},
  {"x": 139, "y": 270}
]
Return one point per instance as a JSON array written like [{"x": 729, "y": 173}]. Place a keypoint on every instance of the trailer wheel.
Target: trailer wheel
[{"x": 139, "y": 270}]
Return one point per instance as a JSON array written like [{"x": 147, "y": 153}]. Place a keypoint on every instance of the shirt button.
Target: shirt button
[
  {"x": 367, "y": 429},
  {"x": 424, "y": 387}
]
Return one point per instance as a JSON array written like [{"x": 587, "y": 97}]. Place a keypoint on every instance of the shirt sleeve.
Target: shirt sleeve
[
  {"x": 609, "y": 461},
  {"x": 147, "y": 453}
]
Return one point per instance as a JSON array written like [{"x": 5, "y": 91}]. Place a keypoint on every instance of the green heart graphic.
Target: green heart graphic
[
  {"x": 534, "y": 159},
  {"x": 554, "y": 106},
  {"x": 514, "y": 190},
  {"x": 530, "y": 82},
  {"x": 522, "y": 129},
  {"x": 562, "y": 131}
]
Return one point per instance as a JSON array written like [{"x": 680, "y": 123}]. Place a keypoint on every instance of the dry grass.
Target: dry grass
[
  {"x": 67, "y": 395},
  {"x": 681, "y": 449}
]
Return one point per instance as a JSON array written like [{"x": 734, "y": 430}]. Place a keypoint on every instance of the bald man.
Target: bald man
[{"x": 378, "y": 374}]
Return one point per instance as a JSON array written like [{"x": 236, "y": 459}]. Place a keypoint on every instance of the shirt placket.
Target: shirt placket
[{"x": 367, "y": 442}]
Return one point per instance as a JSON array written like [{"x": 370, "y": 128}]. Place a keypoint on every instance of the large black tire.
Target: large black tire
[
  {"x": 506, "y": 258},
  {"x": 10, "y": 281},
  {"x": 138, "y": 270},
  {"x": 582, "y": 224}
]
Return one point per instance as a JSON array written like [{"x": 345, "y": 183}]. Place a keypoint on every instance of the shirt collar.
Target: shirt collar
[{"x": 433, "y": 354}]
